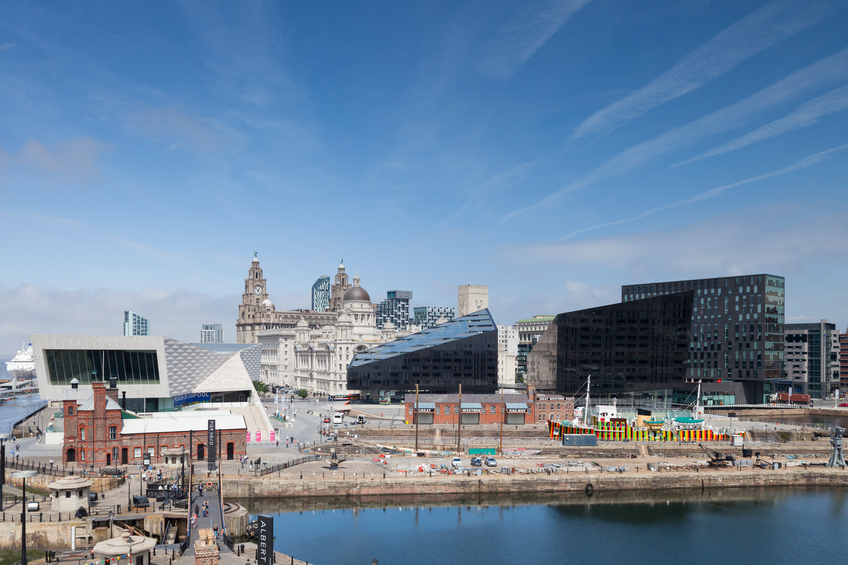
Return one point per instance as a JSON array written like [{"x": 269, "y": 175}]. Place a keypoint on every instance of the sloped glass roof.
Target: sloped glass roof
[{"x": 458, "y": 328}]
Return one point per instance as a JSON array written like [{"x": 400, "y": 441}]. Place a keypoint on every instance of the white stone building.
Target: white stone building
[
  {"x": 507, "y": 354},
  {"x": 317, "y": 358},
  {"x": 472, "y": 298}
]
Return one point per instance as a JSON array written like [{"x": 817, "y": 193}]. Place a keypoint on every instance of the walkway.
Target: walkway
[{"x": 212, "y": 518}]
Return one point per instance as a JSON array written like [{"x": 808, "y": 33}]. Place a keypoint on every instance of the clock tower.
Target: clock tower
[{"x": 252, "y": 307}]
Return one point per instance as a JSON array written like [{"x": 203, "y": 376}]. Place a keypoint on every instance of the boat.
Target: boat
[{"x": 22, "y": 365}]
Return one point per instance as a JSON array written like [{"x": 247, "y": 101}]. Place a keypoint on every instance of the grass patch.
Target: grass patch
[{"x": 9, "y": 556}]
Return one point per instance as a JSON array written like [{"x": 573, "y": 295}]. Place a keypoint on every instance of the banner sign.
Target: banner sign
[
  {"x": 272, "y": 436},
  {"x": 265, "y": 541},
  {"x": 258, "y": 436},
  {"x": 181, "y": 399},
  {"x": 211, "y": 445},
  {"x": 248, "y": 437}
]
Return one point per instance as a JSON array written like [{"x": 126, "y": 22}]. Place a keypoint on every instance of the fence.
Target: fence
[
  {"x": 279, "y": 467},
  {"x": 41, "y": 468}
]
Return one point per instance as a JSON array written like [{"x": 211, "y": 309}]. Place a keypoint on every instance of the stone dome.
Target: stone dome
[
  {"x": 302, "y": 324},
  {"x": 267, "y": 303},
  {"x": 356, "y": 292},
  {"x": 255, "y": 260}
]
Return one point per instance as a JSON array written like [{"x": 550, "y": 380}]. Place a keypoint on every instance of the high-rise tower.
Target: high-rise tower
[{"x": 321, "y": 294}]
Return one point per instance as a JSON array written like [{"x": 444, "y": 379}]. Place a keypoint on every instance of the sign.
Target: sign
[
  {"x": 272, "y": 436},
  {"x": 265, "y": 541},
  {"x": 211, "y": 445},
  {"x": 181, "y": 399},
  {"x": 258, "y": 436},
  {"x": 248, "y": 437}
]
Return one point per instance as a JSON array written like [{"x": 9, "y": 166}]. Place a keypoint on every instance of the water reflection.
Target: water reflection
[{"x": 779, "y": 525}]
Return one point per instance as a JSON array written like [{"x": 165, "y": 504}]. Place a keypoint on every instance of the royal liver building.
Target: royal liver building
[{"x": 307, "y": 349}]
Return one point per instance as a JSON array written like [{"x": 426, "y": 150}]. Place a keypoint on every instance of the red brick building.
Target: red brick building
[
  {"x": 476, "y": 409},
  {"x": 99, "y": 433},
  {"x": 481, "y": 409}
]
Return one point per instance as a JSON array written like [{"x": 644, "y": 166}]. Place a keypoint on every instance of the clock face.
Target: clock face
[{"x": 257, "y": 290}]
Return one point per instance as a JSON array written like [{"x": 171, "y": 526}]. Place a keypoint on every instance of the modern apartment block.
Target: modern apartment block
[
  {"x": 321, "y": 294},
  {"x": 736, "y": 331},
  {"x": 394, "y": 309},
  {"x": 427, "y": 316},
  {"x": 811, "y": 365},
  {"x": 211, "y": 333},
  {"x": 135, "y": 324}
]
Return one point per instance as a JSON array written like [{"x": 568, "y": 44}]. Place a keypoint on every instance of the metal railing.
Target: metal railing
[{"x": 258, "y": 472}]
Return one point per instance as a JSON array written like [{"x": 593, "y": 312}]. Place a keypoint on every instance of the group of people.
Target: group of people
[{"x": 203, "y": 508}]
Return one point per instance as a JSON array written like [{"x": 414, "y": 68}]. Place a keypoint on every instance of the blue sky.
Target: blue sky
[{"x": 551, "y": 150}]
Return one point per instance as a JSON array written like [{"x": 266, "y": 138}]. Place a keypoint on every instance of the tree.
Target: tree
[
  {"x": 303, "y": 393},
  {"x": 260, "y": 387}
]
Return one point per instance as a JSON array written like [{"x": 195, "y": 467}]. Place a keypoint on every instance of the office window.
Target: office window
[
  {"x": 137, "y": 452},
  {"x": 113, "y": 432}
]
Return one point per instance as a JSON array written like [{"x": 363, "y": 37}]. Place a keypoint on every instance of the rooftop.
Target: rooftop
[{"x": 453, "y": 330}]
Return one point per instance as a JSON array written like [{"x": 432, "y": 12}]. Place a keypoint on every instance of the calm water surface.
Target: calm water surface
[{"x": 731, "y": 526}]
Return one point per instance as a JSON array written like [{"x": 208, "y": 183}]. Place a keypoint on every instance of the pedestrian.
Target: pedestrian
[
  {"x": 196, "y": 509},
  {"x": 278, "y": 443},
  {"x": 200, "y": 489}
]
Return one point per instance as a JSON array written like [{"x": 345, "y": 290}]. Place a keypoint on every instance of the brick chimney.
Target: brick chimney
[
  {"x": 112, "y": 391},
  {"x": 531, "y": 392}
]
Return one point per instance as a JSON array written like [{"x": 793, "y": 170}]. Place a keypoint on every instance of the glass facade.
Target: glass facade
[
  {"x": 394, "y": 309},
  {"x": 426, "y": 316},
  {"x": 87, "y": 365},
  {"x": 321, "y": 294},
  {"x": 135, "y": 324},
  {"x": 636, "y": 346},
  {"x": 736, "y": 329},
  {"x": 463, "y": 351}
]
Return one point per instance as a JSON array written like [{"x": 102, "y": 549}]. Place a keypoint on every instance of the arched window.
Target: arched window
[
  {"x": 71, "y": 455},
  {"x": 82, "y": 434}
]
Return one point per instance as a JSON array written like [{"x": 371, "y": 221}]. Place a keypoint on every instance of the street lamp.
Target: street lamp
[
  {"x": 3, "y": 438},
  {"x": 111, "y": 516},
  {"x": 24, "y": 475}
]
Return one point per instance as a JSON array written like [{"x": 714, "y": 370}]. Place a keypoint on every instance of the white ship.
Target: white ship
[{"x": 22, "y": 365}]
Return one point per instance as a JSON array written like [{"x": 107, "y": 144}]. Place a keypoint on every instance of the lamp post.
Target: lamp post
[
  {"x": 24, "y": 475},
  {"x": 3, "y": 438},
  {"x": 111, "y": 517}
]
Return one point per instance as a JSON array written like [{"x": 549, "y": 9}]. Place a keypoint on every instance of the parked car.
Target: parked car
[
  {"x": 490, "y": 462},
  {"x": 844, "y": 404},
  {"x": 326, "y": 420},
  {"x": 456, "y": 463},
  {"x": 476, "y": 462}
]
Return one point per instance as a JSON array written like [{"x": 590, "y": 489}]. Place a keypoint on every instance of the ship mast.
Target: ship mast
[{"x": 586, "y": 410}]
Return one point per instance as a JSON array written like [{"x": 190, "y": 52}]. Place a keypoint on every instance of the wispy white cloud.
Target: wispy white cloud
[
  {"x": 179, "y": 128},
  {"x": 75, "y": 160},
  {"x": 802, "y": 164},
  {"x": 736, "y": 44},
  {"x": 708, "y": 248},
  {"x": 524, "y": 35},
  {"x": 7, "y": 46},
  {"x": 826, "y": 71},
  {"x": 804, "y": 116}
]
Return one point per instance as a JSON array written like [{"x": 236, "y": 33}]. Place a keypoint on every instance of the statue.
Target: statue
[
  {"x": 836, "y": 458},
  {"x": 255, "y": 253},
  {"x": 341, "y": 261}
]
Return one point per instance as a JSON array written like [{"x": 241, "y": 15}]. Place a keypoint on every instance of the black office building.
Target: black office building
[
  {"x": 462, "y": 351},
  {"x": 626, "y": 348},
  {"x": 734, "y": 336}
]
